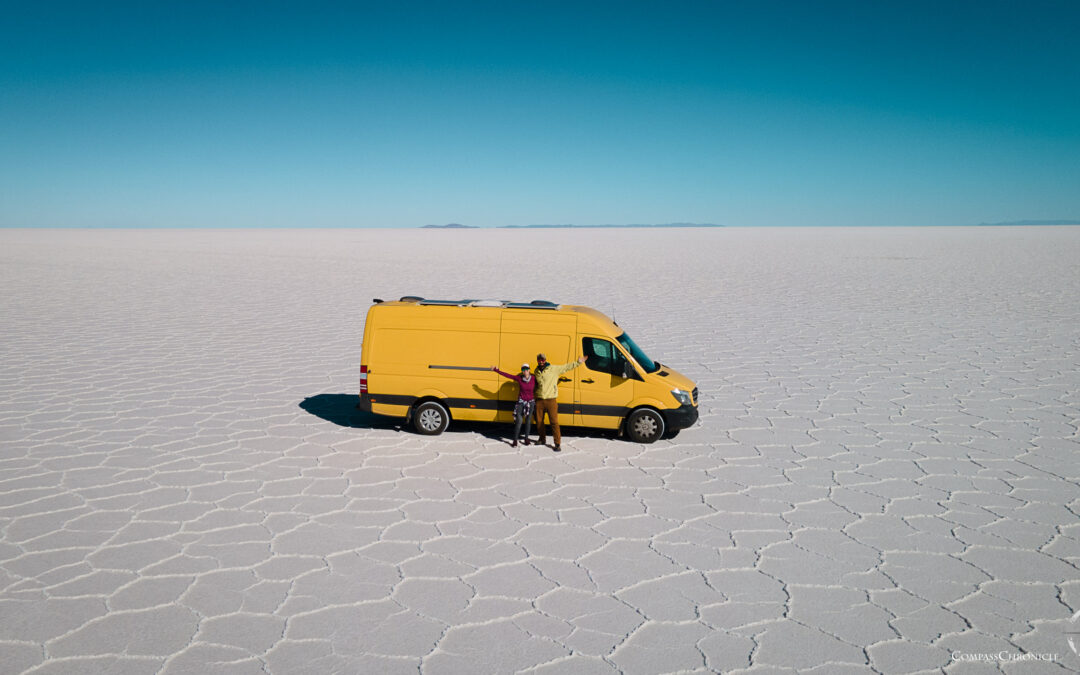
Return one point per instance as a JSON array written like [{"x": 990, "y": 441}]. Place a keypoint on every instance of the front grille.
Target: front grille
[{"x": 694, "y": 395}]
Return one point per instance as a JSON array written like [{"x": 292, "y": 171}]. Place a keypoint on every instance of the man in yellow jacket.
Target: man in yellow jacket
[{"x": 547, "y": 394}]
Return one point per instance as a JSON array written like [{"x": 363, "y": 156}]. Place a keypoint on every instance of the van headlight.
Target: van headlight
[{"x": 683, "y": 397}]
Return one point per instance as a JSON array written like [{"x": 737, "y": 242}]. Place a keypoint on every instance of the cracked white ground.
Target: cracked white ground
[{"x": 885, "y": 477}]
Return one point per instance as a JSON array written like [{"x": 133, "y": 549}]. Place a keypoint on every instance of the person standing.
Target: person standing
[
  {"x": 547, "y": 394},
  {"x": 523, "y": 409}
]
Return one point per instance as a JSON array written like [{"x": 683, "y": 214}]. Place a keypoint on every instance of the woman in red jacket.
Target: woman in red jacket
[{"x": 523, "y": 409}]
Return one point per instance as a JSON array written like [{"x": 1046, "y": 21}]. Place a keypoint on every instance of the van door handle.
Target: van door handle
[
  {"x": 588, "y": 381},
  {"x": 564, "y": 379}
]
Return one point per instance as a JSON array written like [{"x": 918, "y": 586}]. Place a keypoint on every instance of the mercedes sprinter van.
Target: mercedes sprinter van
[{"x": 429, "y": 361}]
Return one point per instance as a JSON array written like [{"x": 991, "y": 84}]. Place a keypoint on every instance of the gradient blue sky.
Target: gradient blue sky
[{"x": 510, "y": 113}]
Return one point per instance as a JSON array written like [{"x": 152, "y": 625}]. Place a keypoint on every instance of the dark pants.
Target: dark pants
[
  {"x": 523, "y": 411},
  {"x": 551, "y": 407}
]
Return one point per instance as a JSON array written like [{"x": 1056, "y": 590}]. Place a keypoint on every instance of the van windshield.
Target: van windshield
[{"x": 644, "y": 361}]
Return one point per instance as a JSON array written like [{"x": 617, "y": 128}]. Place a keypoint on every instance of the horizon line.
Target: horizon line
[{"x": 1019, "y": 223}]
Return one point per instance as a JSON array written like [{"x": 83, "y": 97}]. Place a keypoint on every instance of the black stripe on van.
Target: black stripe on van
[
  {"x": 474, "y": 403},
  {"x": 490, "y": 404},
  {"x": 600, "y": 410},
  {"x": 564, "y": 408},
  {"x": 391, "y": 399}
]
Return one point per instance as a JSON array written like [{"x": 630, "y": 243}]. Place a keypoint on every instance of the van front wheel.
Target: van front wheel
[
  {"x": 644, "y": 425},
  {"x": 430, "y": 418}
]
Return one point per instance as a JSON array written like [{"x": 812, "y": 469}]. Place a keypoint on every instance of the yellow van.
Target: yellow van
[{"x": 429, "y": 361}]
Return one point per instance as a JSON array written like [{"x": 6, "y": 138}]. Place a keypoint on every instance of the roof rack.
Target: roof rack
[
  {"x": 535, "y": 304},
  {"x": 454, "y": 303}
]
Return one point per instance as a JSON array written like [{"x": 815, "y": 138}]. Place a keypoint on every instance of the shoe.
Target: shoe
[
  {"x": 514, "y": 444},
  {"x": 541, "y": 442},
  {"x": 558, "y": 448},
  {"x": 525, "y": 442}
]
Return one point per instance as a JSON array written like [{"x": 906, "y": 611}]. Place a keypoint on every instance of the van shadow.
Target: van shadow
[{"x": 341, "y": 410}]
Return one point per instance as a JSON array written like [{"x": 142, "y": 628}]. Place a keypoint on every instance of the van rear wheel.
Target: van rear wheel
[
  {"x": 644, "y": 425},
  {"x": 430, "y": 418}
]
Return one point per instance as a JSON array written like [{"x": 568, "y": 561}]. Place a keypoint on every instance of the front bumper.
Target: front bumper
[{"x": 682, "y": 417}]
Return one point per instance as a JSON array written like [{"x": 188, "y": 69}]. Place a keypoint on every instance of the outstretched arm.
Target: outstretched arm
[
  {"x": 559, "y": 370},
  {"x": 512, "y": 377}
]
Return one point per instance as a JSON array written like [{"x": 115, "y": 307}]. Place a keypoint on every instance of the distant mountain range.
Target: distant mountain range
[
  {"x": 458, "y": 226},
  {"x": 1013, "y": 223},
  {"x": 627, "y": 225}
]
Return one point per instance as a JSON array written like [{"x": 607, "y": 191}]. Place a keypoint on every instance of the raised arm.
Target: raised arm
[
  {"x": 512, "y": 377},
  {"x": 559, "y": 370}
]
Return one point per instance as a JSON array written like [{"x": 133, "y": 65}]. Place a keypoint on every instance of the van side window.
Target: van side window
[{"x": 602, "y": 356}]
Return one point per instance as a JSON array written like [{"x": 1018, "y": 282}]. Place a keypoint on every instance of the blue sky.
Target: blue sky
[{"x": 401, "y": 114}]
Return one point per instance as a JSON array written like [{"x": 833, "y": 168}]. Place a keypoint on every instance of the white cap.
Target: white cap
[{"x": 524, "y": 365}]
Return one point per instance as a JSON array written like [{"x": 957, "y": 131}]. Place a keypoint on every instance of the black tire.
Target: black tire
[
  {"x": 430, "y": 418},
  {"x": 644, "y": 425}
]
